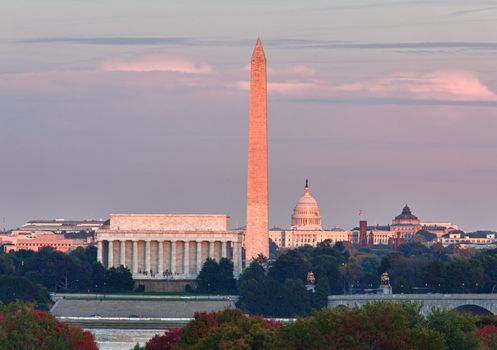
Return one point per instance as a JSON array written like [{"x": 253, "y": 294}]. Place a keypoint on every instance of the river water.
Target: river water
[{"x": 122, "y": 339}]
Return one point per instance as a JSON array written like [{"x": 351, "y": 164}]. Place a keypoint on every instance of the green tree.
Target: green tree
[
  {"x": 459, "y": 331},
  {"x": 227, "y": 283},
  {"x": 119, "y": 279},
  {"x": 385, "y": 326},
  {"x": 255, "y": 271},
  {"x": 6, "y": 264},
  {"x": 297, "y": 299},
  {"x": 14, "y": 288},
  {"x": 464, "y": 275},
  {"x": 216, "y": 277},
  {"x": 228, "y": 329},
  {"x": 290, "y": 265},
  {"x": 97, "y": 277},
  {"x": 322, "y": 292},
  {"x": 208, "y": 277}
]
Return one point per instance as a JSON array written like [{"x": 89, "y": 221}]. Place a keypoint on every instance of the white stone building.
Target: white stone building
[
  {"x": 306, "y": 226},
  {"x": 167, "y": 246}
]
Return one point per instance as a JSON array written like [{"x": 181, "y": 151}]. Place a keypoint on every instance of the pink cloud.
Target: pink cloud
[
  {"x": 453, "y": 85},
  {"x": 159, "y": 63}
]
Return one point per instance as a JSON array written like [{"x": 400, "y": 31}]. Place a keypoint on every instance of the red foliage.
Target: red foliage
[
  {"x": 273, "y": 325},
  {"x": 486, "y": 331},
  {"x": 41, "y": 325},
  {"x": 167, "y": 341},
  {"x": 81, "y": 340}
]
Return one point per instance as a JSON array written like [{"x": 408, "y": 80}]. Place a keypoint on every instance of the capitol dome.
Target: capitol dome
[{"x": 306, "y": 214}]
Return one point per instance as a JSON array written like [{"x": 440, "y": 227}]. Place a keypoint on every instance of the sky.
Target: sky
[{"x": 123, "y": 106}]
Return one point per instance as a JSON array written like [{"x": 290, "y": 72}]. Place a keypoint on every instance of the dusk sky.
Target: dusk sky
[{"x": 122, "y": 106}]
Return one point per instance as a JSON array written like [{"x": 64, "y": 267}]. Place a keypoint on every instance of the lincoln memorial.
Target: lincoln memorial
[{"x": 167, "y": 246}]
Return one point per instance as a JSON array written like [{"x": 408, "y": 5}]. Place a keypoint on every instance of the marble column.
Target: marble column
[
  {"x": 173, "y": 257},
  {"x": 122, "y": 252},
  {"x": 199, "y": 256},
  {"x": 186, "y": 257},
  {"x": 223, "y": 250},
  {"x": 135, "y": 257},
  {"x": 160, "y": 256},
  {"x": 110, "y": 256},
  {"x": 147, "y": 256},
  {"x": 211, "y": 249},
  {"x": 237, "y": 258},
  {"x": 100, "y": 252}
]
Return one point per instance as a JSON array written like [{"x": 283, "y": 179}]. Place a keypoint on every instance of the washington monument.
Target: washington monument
[{"x": 257, "y": 234}]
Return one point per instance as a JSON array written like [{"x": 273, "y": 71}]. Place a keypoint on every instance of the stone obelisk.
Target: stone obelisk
[{"x": 257, "y": 232}]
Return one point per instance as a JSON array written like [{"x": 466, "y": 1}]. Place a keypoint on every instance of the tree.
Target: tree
[
  {"x": 464, "y": 275},
  {"x": 166, "y": 341},
  {"x": 328, "y": 265},
  {"x": 6, "y": 264},
  {"x": 458, "y": 330},
  {"x": 385, "y": 326},
  {"x": 413, "y": 248},
  {"x": 227, "y": 283},
  {"x": 216, "y": 277},
  {"x": 23, "y": 328},
  {"x": 119, "y": 279},
  {"x": 14, "y": 288},
  {"x": 297, "y": 298},
  {"x": 255, "y": 271},
  {"x": 86, "y": 256},
  {"x": 97, "y": 276},
  {"x": 322, "y": 292},
  {"x": 228, "y": 329},
  {"x": 290, "y": 265}
]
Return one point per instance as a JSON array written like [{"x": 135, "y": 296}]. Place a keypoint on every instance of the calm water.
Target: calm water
[{"x": 122, "y": 339}]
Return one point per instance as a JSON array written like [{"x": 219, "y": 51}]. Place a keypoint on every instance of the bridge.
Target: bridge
[{"x": 474, "y": 303}]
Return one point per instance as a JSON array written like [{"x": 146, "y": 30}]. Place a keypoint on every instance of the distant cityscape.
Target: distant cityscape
[{"x": 306, "y": 229}]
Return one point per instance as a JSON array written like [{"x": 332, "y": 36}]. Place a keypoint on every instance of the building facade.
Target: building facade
[
  {"x": 18, "y": 240},
  {"x": 167, "y": 246},
  {"x": 474, "y": 240},
  {"x": 405, "y": 225},
  {"x": 306, "y": 226},
  {"x": 62, "y": 225}
]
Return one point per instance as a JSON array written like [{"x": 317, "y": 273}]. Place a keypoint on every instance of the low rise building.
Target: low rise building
[
  {"x": 438, "y": 228},
  {"x": 461, "y": 238},
  {"x": 62, "y": 225},
  {"x": 35, "y": 241},
  {"x": 376, "y": 235}
]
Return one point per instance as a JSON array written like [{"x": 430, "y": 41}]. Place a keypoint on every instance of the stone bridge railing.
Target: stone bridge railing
[{"x": 487, "y": 302}]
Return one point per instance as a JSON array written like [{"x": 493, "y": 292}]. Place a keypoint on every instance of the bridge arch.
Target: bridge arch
[{"x": 473, "y": 309}]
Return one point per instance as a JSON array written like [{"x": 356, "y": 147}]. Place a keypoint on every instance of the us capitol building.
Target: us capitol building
[{"x": 306, "y": 226}]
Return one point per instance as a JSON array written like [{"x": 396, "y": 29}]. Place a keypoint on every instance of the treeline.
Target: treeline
[
  {"x": 386, "y": 326},
  {"x": 416, "y": 268},
  {"x": 29, "y": 275},
  {"x": 278, "y": 288}
]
